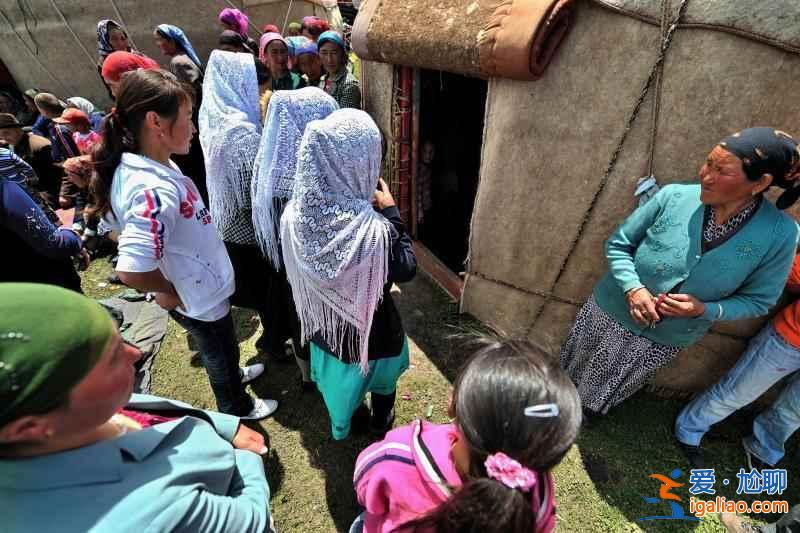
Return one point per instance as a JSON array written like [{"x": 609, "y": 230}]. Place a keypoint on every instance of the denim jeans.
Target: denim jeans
[
  {"x": 768, "y": 359},
  {"x": 219, "y": 351}
]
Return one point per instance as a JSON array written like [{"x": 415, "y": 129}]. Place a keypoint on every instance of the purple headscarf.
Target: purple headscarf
[{"x": 235, "y": 18}]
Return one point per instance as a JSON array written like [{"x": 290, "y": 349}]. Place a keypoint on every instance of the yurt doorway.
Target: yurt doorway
[{"x": 448, "y": 144}]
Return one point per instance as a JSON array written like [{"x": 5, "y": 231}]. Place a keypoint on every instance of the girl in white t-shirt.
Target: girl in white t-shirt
[{"x": 168, "y": 244}]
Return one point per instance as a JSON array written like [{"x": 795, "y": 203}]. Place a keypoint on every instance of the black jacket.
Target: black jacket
[{"x": 387, "y": 335}]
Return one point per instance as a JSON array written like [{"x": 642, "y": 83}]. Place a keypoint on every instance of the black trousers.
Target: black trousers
[{"x": 260, "y": 288}]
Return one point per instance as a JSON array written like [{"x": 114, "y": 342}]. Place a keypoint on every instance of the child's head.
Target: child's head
[
  {"x": 75, "y": 120},
  {"x": 152, "y": 105},
  {"x": 514, "y": 398},
  {"x": 49, "y": 105}
]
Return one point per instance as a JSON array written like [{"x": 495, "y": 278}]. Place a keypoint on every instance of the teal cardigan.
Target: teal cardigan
[
  {"x": 181, "y": 475},
  {"x": 659, "y": 247}
]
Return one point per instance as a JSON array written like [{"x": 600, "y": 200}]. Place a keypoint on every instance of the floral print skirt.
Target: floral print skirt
[{"x": 608, "y": 363}]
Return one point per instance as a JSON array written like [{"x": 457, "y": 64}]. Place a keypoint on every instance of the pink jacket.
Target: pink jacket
[{"x": 411, "y": 472}]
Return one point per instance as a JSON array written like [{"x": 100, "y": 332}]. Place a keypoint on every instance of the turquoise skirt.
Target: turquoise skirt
[{"x": 343, "y": 387}]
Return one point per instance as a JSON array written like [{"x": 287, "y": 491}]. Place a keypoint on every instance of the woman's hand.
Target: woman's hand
[
  {"x": 168, "y": 301},
  {"x": 642, "y": 306},
  {"x": 681, "y": 305},
  {"x": 382, "y": 197},
  {"x": 247, "y": 439}
]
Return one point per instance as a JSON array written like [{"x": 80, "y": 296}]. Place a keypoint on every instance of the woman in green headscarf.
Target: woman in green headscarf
[{"x": 73, "y": 438}]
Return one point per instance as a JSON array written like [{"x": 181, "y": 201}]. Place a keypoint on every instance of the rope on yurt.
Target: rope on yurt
[
  {"x": 666, "y": 9},
  {"x": 286, "y": 18},
  {"x": 22, "y": 4},
  {"x": 35, "y": 55},
  {"x": 666, "y": 42},
  {"x": 121, "y": 20},
  {"x": 92, "y": 59}
]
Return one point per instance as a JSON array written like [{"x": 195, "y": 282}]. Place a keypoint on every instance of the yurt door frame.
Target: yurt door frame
[{"x": 422, "y": 122}]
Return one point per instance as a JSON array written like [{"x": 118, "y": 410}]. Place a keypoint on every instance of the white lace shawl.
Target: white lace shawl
[
  {"x": 287, "y": 116},
  {"x": 230, "y": 131},
  {"x": 335, "y": 245}
]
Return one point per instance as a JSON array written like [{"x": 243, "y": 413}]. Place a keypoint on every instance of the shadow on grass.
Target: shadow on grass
[
  {"x": 620, "y": 451},
  {"x": 432, "y": 321}
]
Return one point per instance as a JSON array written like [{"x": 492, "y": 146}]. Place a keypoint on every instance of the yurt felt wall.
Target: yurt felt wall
[
  {"x": 55, "y": 48},
  {"x": 547, "y": 144}
]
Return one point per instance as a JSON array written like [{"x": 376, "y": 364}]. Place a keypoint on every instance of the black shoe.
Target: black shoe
[
  {"x": 307, "y": 386},
  {"x": 359, "y": 423},
  {"x": 382, "y": 424},
  {"x": 278, "y": 356},
  {"x": 694, "y": 454},
  {"x": 752, "y": 460},
  {"x": 590, "y": 418}
]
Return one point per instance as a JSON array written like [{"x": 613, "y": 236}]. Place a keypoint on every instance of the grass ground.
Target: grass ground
[{"x": 600, "y": 484}]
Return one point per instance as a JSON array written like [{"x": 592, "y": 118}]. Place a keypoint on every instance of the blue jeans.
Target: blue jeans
[
  {"x": 219, "y": 351},
  {"x": 768, "y": 359}
]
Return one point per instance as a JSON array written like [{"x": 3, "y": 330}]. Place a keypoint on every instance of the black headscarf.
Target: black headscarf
[
  {"x": 231, "y": 38},
  {"x": 768, "y": 151}
]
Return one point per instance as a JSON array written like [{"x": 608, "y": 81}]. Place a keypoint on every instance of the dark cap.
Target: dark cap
[{"x": 7, "y": 120}]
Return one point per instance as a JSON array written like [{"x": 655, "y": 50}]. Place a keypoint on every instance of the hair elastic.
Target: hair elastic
[
  {"x": 542, "y": 410},
  {"x": 510, "y": 472}
]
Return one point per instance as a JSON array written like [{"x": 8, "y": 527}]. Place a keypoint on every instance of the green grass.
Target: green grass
[{"x": 600, "y": 484}]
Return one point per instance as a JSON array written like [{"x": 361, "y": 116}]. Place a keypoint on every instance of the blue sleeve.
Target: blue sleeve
[
  {"x": 622, "y": 244},
  {"x": 20, "y": 214},
  {"x": 403, "y": 262}
]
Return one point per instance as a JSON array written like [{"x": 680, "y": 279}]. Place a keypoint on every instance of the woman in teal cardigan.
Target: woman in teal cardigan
[
  {"x": 78, "y": 453},
  {"x": 692, "y": 255}
]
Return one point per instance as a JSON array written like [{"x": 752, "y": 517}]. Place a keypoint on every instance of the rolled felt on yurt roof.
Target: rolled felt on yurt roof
[{"x": 508, "y": 38}]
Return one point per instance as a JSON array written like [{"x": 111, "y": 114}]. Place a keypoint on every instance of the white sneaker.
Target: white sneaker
[
  {"x": 249, "y": 373},
  {"x": 261, "y": 409}
]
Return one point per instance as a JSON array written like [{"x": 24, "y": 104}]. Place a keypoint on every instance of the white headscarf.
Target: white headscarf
[
  {"x": 335, "y": 245},
  {"x": 83, "y": 104},
  {"x": 287, "y": 116},
  {"x": 230, "y": 131}
]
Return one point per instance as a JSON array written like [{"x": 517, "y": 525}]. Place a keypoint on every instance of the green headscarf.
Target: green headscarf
[{"x": 50, "y": 339}]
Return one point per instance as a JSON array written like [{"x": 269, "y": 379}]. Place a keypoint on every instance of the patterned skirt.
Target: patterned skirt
[{"x": 608, "y": 363}]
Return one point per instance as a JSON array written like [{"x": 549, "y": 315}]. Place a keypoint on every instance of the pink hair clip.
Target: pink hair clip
[{"x": 509, "y": 472}]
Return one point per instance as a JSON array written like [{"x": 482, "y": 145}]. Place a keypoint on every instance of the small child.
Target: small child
[
  {"x": 516, "y": 414},
  {"x": 80, "y": 125}
]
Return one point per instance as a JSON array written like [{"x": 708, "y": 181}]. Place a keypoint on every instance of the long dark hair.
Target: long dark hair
[
  {"x": 140, "y": 92},
  {"x": 489, "y": 399}
]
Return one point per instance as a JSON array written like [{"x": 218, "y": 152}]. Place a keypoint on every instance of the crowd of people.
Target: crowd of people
[{"x": 254, "y": 180}]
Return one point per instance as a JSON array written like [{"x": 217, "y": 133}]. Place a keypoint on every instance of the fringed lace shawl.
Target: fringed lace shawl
[
  {"x": 335, "y": 245},
  {"x": 230, "y": 132},
  {"x": 287, "y": 116}
]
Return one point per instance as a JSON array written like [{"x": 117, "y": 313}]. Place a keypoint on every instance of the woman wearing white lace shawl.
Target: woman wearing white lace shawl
[
  {"x": 341, "y": 256},
  {"x": 230, "y": 133},
  {"x": 287, "y": 116}
]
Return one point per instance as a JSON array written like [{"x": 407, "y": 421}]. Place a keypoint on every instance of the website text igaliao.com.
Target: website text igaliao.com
[{"x": 721, "y": 504}]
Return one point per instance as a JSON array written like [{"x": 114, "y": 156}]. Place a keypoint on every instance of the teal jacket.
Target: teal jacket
[
  {"x": 181, "y": 475},
  {"x": 659, "y": 247}
]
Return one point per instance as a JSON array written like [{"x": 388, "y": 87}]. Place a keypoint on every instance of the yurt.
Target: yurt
[{"x": 521, "y": 129}]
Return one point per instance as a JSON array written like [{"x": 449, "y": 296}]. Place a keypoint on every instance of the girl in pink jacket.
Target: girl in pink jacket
[{"x": 516, "y": 414}]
